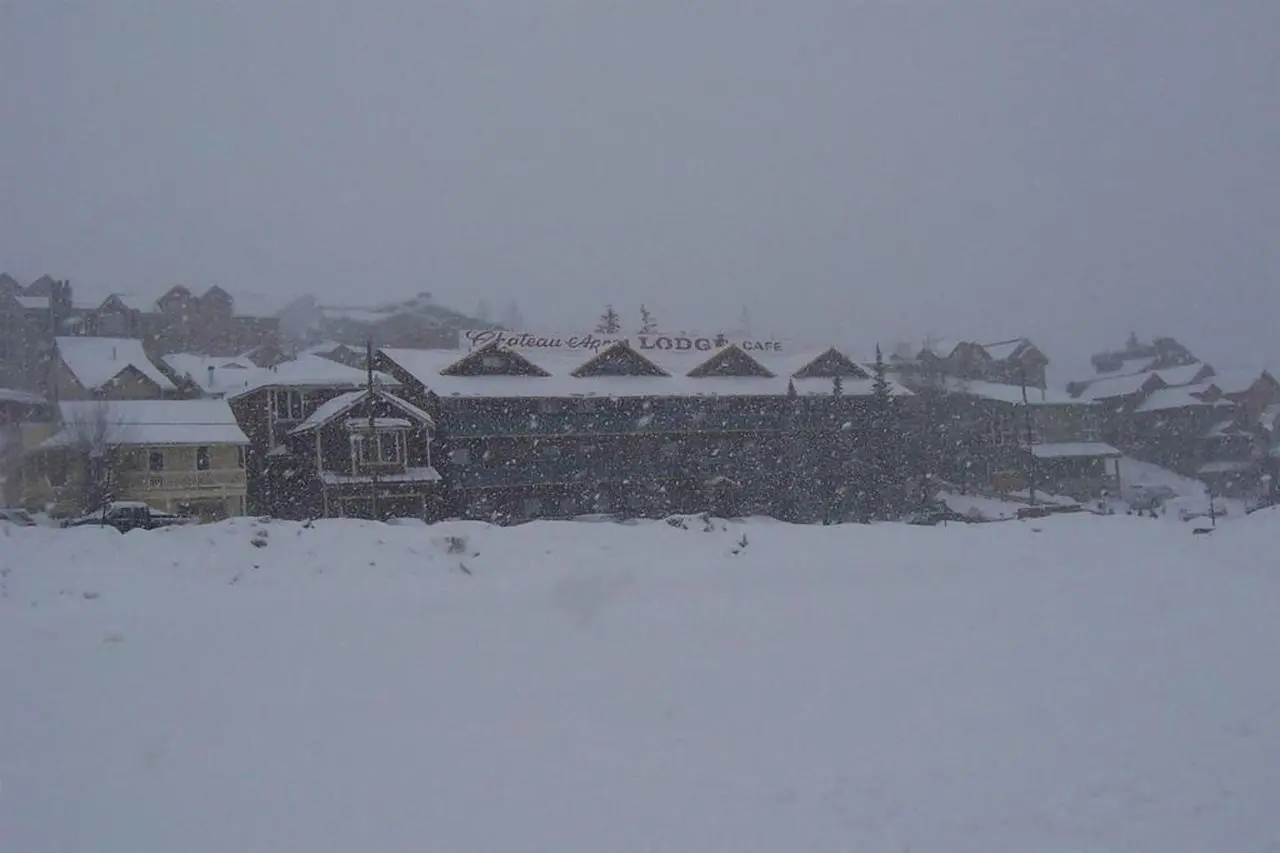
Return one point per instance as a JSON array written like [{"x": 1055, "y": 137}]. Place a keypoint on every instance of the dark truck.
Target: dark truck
[{"x": 129, "y": 515}]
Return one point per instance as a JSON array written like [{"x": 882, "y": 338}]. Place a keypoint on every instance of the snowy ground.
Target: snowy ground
[{"x": 1072, "y": 684}]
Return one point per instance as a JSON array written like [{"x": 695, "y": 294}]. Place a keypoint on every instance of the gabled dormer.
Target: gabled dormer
[
  {"x": 618, "y": 360},
  {"x": 491, "y": 360},
  {"x": 367, "y": 432},
  {"x": 731, "y": 361},
  {"x": 831, "y": 364}
]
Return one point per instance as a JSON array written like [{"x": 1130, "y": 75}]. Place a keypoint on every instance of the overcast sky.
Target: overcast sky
[{"x": 848, "y": 171}]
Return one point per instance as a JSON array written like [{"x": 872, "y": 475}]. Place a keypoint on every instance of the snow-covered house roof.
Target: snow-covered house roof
[
  {"x": 1235, "y": 381},
  {"x": 1075, "y": 450},
  {"x": 22, "y": 398},
  {"x": 1164, "y": 399},
  {"x": 1270, "y": 417},
  {"x": 568, "y": 373},
  {"x": 95, "y": 362},
  {"x": 38, "y": 303},
  {"x": 1184, "y": 374},
  {"x": 343, "y": 403},
  {"x": 214, "y": 375},
  {"x": 1005, "y": 393},
  {"x": 1010, "y": 349},
  {"x": 305, "y": 371},
  {"x": 1116, "y": 386},
  {"x": 145, "y": 422}
]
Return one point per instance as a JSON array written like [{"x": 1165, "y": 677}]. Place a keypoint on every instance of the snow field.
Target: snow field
[{"x": 1076, "y": 683}]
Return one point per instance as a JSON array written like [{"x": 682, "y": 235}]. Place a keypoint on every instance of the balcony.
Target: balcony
[{"x": 232, "y": 479}]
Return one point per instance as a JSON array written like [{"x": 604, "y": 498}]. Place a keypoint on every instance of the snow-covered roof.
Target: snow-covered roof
[
  {"x": 1182, "y": 375},
  {"x": 1224, "y": 466},
  {"x": 1074, "y": 450},
  {"x": 24, "y": 398},
  {"x": 1115, "y": 386},
  {"x": 36, "y": 302},
  {"x": 145, "y": 422},
  {"x": 1130, "y": 365},
  {"x": 135, "y": 301},
  {"x": 1012, "y": 393},
  {"x": 941, "y": 348},
  {"x": 426, "y": 367},
  {"x": 305, "y": 371},
  {"x": 1221, "y": 428},
  {"x": 1163, "y": 399},
  {"x": 1233, "y": 381},
  {"x": 1005, "y": 350},
  {"x": 343, "y": 403},
  {"x": 228, "y": 373},
  {"x": 422, "y": 474},
  {"x": 95, "y": 362},
  {"x": 1270, "y": 417}
]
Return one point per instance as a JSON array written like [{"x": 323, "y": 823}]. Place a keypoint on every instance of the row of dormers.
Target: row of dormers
[{"x": 620, "y": 369}]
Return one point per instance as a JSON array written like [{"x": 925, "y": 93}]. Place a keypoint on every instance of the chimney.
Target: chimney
[{"x": 211, "y": 376}]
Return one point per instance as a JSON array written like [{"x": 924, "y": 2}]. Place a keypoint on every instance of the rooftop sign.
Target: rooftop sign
[{"x": 477, "y": 338}]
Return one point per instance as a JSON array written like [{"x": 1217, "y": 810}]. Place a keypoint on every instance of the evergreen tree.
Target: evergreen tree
[
  {"x": 648, "y": 325},
  {"x": 879, "y": 383},
  {"x": 610, "y": 323},
  {"x": 886, "y": 467},
  {"x": 483, "y": 313}
]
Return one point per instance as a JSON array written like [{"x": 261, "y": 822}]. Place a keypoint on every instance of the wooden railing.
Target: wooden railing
[{"x": 183, "y": 480}]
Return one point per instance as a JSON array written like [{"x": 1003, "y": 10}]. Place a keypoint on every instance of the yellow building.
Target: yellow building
[{"x": 175, "y": 455}]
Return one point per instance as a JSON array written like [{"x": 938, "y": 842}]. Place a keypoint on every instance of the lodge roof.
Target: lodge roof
[{"x": 568, "y": 373}]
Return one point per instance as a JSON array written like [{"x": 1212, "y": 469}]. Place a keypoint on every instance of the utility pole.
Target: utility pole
[
  {"x": 1031, "y": 455},
  {"x": 371, "y": 443}
]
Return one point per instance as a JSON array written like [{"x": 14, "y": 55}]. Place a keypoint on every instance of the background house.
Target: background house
[
  {"x": 367, "y": 454},
  {"x": 107, "y": 368},
  {"x": 175, "y": 455}
]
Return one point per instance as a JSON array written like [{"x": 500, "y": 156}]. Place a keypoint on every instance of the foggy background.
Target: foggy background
[{"x": 850, "y": 172}]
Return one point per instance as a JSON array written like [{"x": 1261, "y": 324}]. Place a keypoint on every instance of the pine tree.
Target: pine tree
[
  {"x": 648, "y": 325},
  {"x": 483, "y": 313},
  {"x": 880, "y": 384},
  {"x": 884, "y": 472},
  {"x": 610, "y": 323}
]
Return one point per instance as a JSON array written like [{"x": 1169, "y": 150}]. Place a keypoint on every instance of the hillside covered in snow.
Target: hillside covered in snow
[{"x": 1074, "y": 683}]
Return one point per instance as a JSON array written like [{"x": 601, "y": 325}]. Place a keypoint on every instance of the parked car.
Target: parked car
[
  {"x": 17, "y": 517},
  {"x": 129, "y": 515}
]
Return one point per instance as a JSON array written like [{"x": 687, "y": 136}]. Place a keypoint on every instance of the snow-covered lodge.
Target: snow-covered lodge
[{"x": 638, "y": 427}]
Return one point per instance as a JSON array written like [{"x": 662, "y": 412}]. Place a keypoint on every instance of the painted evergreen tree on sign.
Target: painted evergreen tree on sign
[
  {"x": 610, "y": 323},
  {"x": 648, "y": 325}
]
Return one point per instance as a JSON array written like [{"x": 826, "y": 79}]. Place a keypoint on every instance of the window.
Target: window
[
  {"x": 460, "y": 456},
  {"x": 202, "y": 459},
  {"x": 287, "y": 405},
  {"x": 155, "y": 460},
  {"x": 380, "y": 448}
]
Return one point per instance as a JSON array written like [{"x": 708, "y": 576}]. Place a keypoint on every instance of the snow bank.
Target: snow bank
[{"x": 1068, "y": 684}]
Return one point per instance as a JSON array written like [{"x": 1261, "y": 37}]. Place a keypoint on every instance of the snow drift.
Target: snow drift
[{"x": 1078, "y": 683}]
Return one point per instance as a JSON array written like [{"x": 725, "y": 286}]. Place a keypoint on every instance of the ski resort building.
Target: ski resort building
[{"x": 646, "y": 427}]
